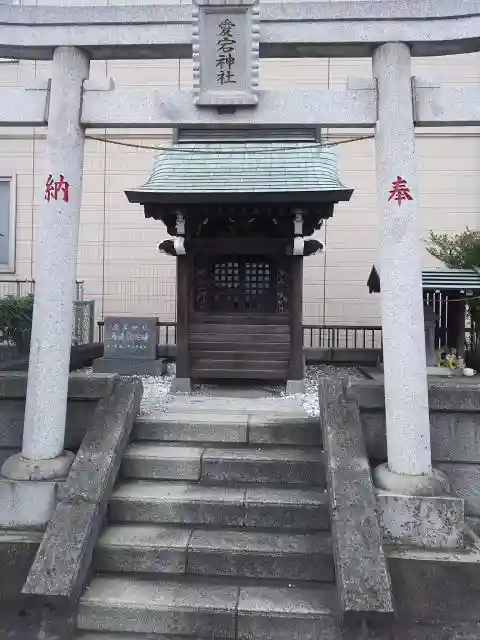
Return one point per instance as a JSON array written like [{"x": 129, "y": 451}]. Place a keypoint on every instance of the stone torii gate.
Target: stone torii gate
[{"x": 388, "y": 32}]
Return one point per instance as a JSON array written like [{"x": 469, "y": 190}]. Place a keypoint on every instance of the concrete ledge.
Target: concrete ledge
[
  {"x": 13, "y": 385},
  {"x": 421, "y": 521},
  {"x": 17, "y": 551},
  {"x": 465, "y": 483},
  {"x": 435, "y": 586},
  {"x": 81, "y": 355},
  {"x": 95, "y": 468},
  {"x": 446, "y": 395},
  {"x": 80, "y": 408},
  {"x": 130, "y": 367},
  {"x": 20, "y": 500},
  {"x": 454, "y": 419},
  {"x": 61, "y": 566},
  {"x": 62, "y": 562},
  {"x": 363, "y": 581}
]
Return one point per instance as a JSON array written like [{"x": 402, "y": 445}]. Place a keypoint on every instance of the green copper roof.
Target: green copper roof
[{"x": 265, "y": 167}]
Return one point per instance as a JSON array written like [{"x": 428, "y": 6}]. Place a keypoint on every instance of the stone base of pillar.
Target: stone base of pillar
[
  {"x": 181, "y": 385},
  {"x": 427, "y": 522},
  {"x": 434, "y": 484},
  {"x": 19, "y": 468},
  {"x": 295, "y": 386},
  {"x": 26, "y": 504}
]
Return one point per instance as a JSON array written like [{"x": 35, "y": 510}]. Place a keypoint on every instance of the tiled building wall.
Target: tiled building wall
[{"x": 118, "y": 260}]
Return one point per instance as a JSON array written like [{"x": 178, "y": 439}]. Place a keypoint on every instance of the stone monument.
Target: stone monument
[{"x": 130, "y": 347}]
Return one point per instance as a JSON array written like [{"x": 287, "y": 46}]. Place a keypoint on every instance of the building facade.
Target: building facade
[{"x": 118, "y": 259}]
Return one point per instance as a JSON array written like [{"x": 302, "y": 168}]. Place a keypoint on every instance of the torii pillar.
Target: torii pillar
[
  {"x": 43, "y": 457},
  {"x": 409, "y": 468}
]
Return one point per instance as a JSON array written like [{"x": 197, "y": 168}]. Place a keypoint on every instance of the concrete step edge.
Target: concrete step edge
[
  {"x": 248, "y": 553},
  {"x": 203, "y": 593},
  {"x": 208, "y": 608},
  {"x": 214, "y": 540},
  {"x": 144, "y": 501},
  {"x": 254, "y": 452},
  {"x": 154, "y": 491},
  {"x": 257, "y": 465},
  {"x": 249, "y": 432}
]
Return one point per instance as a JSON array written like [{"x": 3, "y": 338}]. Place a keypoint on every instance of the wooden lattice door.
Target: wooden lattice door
[{"x": 237, "y": 284}]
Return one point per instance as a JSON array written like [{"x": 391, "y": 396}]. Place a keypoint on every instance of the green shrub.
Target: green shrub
[{"x": 16, "y": 322}]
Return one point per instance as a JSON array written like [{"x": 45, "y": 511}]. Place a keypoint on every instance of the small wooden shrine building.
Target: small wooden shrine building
[{"x": 239, "y": 205}]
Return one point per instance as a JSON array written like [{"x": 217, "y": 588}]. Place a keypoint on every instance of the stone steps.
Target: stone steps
[
  {"x": 153, "y": 549},
  {"x": 229, "y": 427},
  {"x": 208, "y": 609},
  {"x": 215, "y": 404},
  {"x": 215, "y": 465},
  {"x": 114, "y": 635},
  {"x": 219, "y": 527},
  {"x": 155, "y": 502}
]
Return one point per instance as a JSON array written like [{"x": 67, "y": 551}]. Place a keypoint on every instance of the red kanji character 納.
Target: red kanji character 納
[
  {"x": 61, "y": 188},
  {"x": 50, "y": 188},
  {"x": 56, "y": 188}
]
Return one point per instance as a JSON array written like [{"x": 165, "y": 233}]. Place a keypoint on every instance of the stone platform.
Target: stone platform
[
  {"x": 436, "y": 374},
  {"x": 130, "y": 366}
]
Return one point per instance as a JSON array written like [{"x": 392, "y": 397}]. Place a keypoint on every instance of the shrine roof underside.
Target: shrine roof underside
[{"x": 239, "y": 168}]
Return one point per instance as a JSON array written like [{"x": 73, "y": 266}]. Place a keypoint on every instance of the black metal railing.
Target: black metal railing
[
  {"x": 314, "y": 336},
  {"x": 342, "y": 337}
]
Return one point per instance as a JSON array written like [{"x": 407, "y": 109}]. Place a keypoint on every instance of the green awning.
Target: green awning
[
  {"x": 451, "y": 279},
  {"x": 465, "y": 281},
  {"x": 217, "y": 168}
]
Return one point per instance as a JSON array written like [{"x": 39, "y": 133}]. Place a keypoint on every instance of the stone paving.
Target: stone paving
[{"x": 156, "y": 389}]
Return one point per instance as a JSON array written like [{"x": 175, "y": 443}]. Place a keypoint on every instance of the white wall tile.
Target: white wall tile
[{"x": 117, "y": 257}]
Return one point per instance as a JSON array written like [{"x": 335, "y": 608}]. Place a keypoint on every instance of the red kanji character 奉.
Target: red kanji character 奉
[{"x": 400, "y": 191}]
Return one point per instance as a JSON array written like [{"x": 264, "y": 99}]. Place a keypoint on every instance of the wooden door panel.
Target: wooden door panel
[{"x": 239, "y": 326}]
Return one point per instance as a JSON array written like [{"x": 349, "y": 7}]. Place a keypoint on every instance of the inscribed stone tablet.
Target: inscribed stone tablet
[
  {"x": 225, "y": 47},
  {"x": 126, "y": 337}
]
